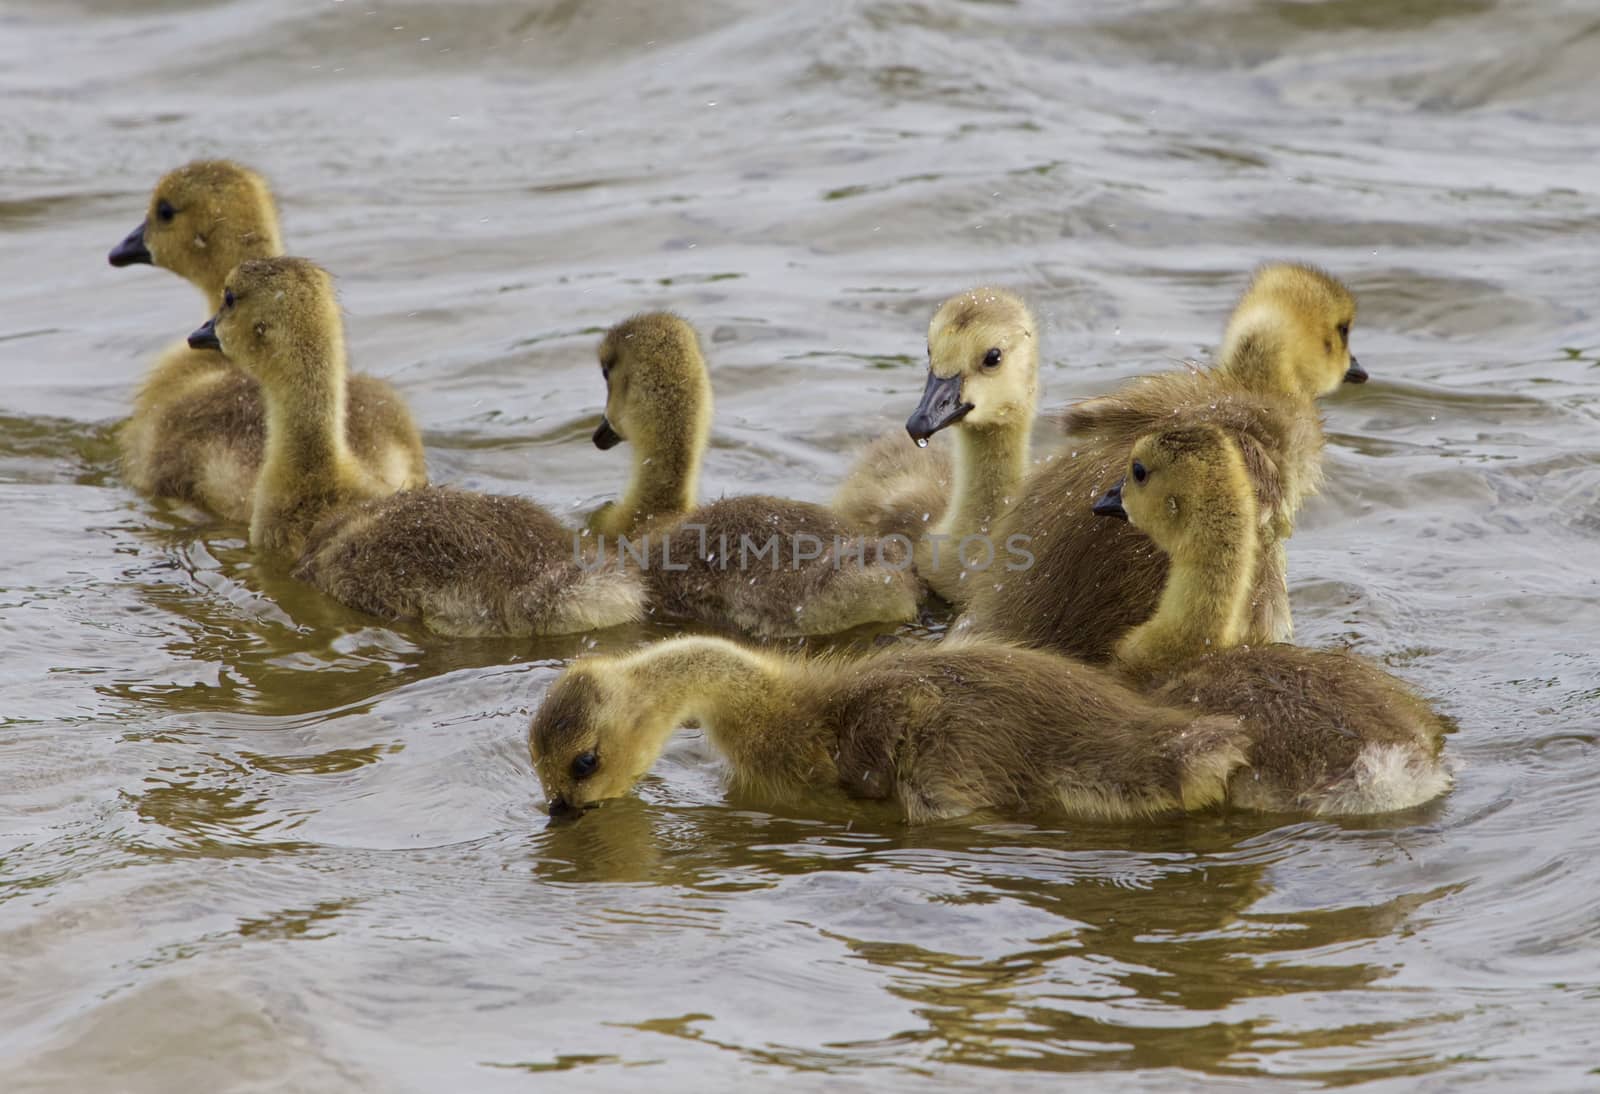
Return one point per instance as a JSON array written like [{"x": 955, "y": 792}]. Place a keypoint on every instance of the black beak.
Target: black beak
[
  {"x": 1355, "y": 374},
  {"x": 132, "y": 251},
  {"x": 604, "y": 436},
  {"x": 941, "y": 405},
  {"x": 206, "y": 336},
  {"x": 1110, "y": 503},
  {"x": 564, "y": 812}
]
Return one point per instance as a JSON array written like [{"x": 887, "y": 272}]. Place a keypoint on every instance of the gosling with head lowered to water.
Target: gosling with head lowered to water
[{"x": 938, "y": 730}]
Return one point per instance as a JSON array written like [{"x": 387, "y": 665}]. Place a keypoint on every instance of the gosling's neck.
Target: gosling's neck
[
  {"x": 753, "y": 707},
  {"x": 1206, "y": 604},
  {"x": 1256, "y": 353},
  {"x": 990, "y": 464},
  {"x": 307, "y": 467},
  {"x": 213, "y": 288},
  {"x": 664, "y": 481},
  {"x": 262, "y": 241},
  {"x": 306, "y": 418}
]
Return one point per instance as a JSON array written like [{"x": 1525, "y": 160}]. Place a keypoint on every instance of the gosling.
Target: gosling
[
  {"x": 456, "y": 562},
  {"x": 983, "y": 377},
  {"x": 1330, "y": 733},
  {"x": 1286, "y": 345},
  {"x": 762, "y": 565},
  {"x": 940, "y": 731},
  {"x": 197, "y": 432}
]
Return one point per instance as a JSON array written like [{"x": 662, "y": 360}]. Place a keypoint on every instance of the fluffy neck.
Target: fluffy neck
[
  {"x": 665, "y": 480},
  {"x": 989, "y": 467},
  {"x": 1255, "y": 351},
  {"x": 990, "y": 464},
  {"x": 261, "y": 241},
  {"x": 1206, "y": 604},
  {"x": 306, "y": 414},
  {"x": 753, "y": 707},
  {"x": 212, "y": 286}
]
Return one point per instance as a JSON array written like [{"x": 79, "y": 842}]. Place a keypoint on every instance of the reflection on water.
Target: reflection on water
[{"x": 250, "y": 839}]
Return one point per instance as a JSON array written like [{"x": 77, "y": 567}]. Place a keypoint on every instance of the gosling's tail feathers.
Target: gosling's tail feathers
[
  {"x": 1384, "y": 779},
  {"x": 597, "y": 599},
  {"x": 562, "y": 602}
]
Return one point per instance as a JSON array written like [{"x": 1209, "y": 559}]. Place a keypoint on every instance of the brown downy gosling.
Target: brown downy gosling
[
  {"x": 712, "y": 563},
  {"x": 197, "y": 431},
  {"x": 1286, "y": 345},
  {"x": 1330, "y": 733},
  {"x": 457, "y": 562},
  {"x": 940, "y": 730},
  {"x": 983, "y": 380}
]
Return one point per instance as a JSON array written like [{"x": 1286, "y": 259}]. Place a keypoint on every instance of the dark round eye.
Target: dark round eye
[
  {"x": 1139, "y": 473},
  {"x": 1344, "y": 333},
  {"x": 992, "y": 358},
  {"x": 584, "y": 765},
  {"x": 227, "y": 298},
  {"x": 164, "y": 211}
]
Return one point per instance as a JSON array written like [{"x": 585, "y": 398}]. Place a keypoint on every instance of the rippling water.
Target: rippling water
[{"x": 249, "y": 840}]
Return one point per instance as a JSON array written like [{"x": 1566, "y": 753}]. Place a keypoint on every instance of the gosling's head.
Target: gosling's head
[
  {"x": 204, "y": 219},
  {"x": 1290, "y": 333},
  {"x": 1185, "y": 488},
  {"x": 279, "y": 320},
  {"x": 983, "y": 364},
  {"x": 590, "y": 740},
  {"x": 658, "y": 392}
]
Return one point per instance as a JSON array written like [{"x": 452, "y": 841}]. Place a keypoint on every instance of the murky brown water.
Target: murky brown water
[{"x": 250, "y": 841}]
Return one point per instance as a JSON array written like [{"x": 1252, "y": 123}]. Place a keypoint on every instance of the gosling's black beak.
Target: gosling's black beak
[
  {"x": 941, "y": 405},
  {"x": 564, "y": 812},
  {"x": 1355, "y": 374},
  {"x": 206, "y": 336},
  {"x": 132, "y": 251},
  {"x": 604, "y": 436},
  {"x": 1110, "y": 503}
]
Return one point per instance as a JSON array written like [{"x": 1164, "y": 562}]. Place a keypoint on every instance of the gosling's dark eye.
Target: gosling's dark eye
[
  {"x": 1139, "y": 473},
  {"x": 1344, "y": 333},
  {"x": 227, "y": 298},
  {"x": 584, "y": 765},
  {"x": 992, "y": 358},
  {"x": 164, "y": 211}
]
